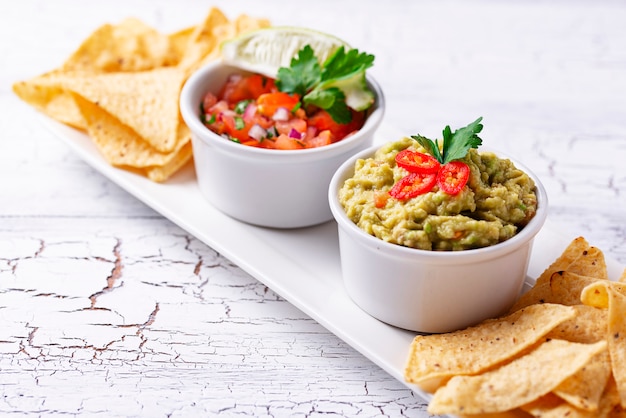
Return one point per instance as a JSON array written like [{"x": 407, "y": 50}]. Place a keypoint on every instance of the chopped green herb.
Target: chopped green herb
[
  {"x": 316, "y": 83},
  {"x": 455, "y": 145},
  {"x": 240, "y": 107},
  {"x": 239, "y": 123}
]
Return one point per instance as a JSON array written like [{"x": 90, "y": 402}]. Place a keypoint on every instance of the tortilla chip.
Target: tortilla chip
[
  {"x": 617, "y": 340},
  {"x": 590, "y": 262},
  {"x": 118, "y": 143},
  {"x": 551, "y": 406},
  {"x": 597, "y": 294},
  {"x": 435, "y": 358},
  {"x": 127, "y": 79},
  {"x": 563, "y": 288},
  {"x": 584, "y": 388},
  {"x": 517, "y": 383},
  {"x": 51, "y": 99},
  {"x": 612, "y": 295},
  {"x": 571, "y": 253},
  {"x": 128, "y": 46},
  {"x": 145, "y": 101},
  {"x": 622, "y": 278},
  {"x": 610, "y": 403},
  {"x": 587, "y": 326},
  {"x": 160, "y": 173},
  {"x": 178, "y": 42},
  {"x": 203, "y": 43}
]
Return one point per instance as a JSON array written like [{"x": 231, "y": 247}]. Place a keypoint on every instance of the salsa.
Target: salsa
[{"x": 250, "y": 109}]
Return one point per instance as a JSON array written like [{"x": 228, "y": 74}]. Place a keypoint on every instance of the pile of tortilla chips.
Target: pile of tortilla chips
[
  {"x": 122, "y": 87},
  {"x": 559, "y": 352}
]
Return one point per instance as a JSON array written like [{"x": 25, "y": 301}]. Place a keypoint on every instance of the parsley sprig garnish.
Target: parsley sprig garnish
[
  {"x": 455, "y": 145},
  {"x": 318, "y": 84}
]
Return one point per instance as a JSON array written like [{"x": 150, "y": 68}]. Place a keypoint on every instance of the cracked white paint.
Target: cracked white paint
[{"x": 107, "y": 309}]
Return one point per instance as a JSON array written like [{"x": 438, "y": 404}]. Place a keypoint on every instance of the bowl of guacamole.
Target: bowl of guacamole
[{"x": 433, "y": 244}]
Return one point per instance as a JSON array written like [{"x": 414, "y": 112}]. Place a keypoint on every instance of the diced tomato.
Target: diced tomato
[
  {"x": 381, "y": 198},
  {"x": 219, "y": 107},
  {"x": 285, "y": 127},
  {"x": 323, "y": 121},
  {"x": 235, "y": 126},
  {"x": 238, "y": 88},
  {"x": 453, "y": 176},
  {"x": 270, "y": 102},
  {"x": 209, "y": 101},
  {"x": 285, "y": 142},
  {"x": 323, "y": 138}
]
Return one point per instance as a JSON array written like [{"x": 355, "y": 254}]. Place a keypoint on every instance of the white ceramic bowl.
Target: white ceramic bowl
[
  {"x": 431, "y": 291},
  {"x": 266, "y": 187}
]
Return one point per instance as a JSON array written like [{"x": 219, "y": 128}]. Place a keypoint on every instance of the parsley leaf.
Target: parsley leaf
[
  {"x": 333, "y": 101},
  {"x": 303, "y": 73},
  {"x": 321, "y": 85},
  {"x": 455, "y": 145},
  {"x": 342, "y": 64}
]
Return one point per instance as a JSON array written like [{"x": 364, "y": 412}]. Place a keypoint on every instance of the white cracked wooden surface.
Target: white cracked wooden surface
[{"x": 108, "y": 309}]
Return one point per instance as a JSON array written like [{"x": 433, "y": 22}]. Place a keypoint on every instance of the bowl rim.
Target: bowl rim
[
  {"x": 188, "y": 110},
  {"x": 474, "y": 255}
]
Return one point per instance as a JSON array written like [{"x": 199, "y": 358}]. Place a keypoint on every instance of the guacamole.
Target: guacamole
[{"x": 496, "y": 203}]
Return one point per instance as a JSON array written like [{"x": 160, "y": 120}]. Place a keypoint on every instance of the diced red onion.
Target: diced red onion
[
  {"x": 257, "y": 132},
  {"x": 295, "y": 134},
  {"x": 248, "y": 114},
  {"x": 272, "y": 131},
  {"x": 281, "y": 114}
]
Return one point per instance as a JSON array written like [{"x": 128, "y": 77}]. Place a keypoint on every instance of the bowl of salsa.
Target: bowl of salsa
[{"x": 265, "y": 156}]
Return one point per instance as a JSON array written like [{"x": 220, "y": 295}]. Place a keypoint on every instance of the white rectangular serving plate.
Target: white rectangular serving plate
[{"x": 301, "y": 265}]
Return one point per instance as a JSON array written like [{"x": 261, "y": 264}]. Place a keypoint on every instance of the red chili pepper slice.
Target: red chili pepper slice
[
  {"x": 413, "y": 184},
  {"x": 453, "y": 176},
  {"x": 417, "y": 162}
]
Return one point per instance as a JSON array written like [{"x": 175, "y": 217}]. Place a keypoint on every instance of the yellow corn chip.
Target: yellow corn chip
[
  {"x": 145, "y": 101},
  {"x": 517, "y": 383},
  {"x": 437, "y": 357},
  {"x": 551, "y": 406},
  {"x": 590, "y": 262},
  {"x": 129, "y": 46},
  {"x": 617, "y": 339},
  {"x": 571, "y": 253},
  {"x": 46, "y": 95},
  {"x": 118, "y": 143},
  {"x": 612, "y": 295},
  {"x": 587, "y": 326},
  {"x": 563, "y": 288},
  {"x": 160, "y": 173},
  {"x": 202, "y": 45},
  {"x": 127, "y": 79},
  {"x": 585, "y": 387}
]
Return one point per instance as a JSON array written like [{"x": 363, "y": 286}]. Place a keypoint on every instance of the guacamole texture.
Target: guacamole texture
[{"x": 495, "y": 204}]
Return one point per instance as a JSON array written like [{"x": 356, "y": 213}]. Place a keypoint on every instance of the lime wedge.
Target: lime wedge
[
  {"x": 358, "y": 95},
  {"x": 265, "y": 50}
]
